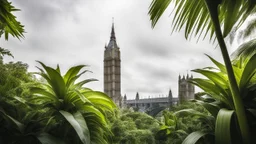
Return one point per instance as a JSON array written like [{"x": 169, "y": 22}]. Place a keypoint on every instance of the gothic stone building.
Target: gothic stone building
[
  {"x": 147, "y": 103},
  {"x": 112, "y": 81},
  {"x": 186, "y": 92},
  {"x": 186, "y": 89},
  {"x": 112, "y": 69}
]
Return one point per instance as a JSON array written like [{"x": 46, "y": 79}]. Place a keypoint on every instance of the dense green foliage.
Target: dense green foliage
[
  {"x": 219, "y": 100},
  {"x": 134, "y": 127},
  {"x": 58, "y": 111},
  {"x": 170, "y": 127},
  {"x": 183, "y": 120},
  {"x": 14, "y": 82},
  {"x": 218, "y": 17},
  {"x": 68, "y": 101},
  {"x": 8, "y": 22}
]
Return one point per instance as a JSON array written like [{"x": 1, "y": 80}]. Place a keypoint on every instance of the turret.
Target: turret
[
  {"x": 186, "y": 89},
  {"x": 137, "y": 96},
  {"x": 170, "y": 98},
  {"x": 125, "y": 98}
]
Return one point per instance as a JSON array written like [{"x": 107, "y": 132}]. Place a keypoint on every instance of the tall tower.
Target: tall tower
[
  {"x": 170, "y": 99},
  {"x": 186, "y": 89},
  {"x": 112, "y": 72}
]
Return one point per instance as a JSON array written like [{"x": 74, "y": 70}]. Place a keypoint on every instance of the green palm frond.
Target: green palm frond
[
  {"x": 244, "y": 52},
  {"x": 79, "y": 124},
  {"x": 63, "y": 94},
  {"x": 195, "y": 17},
  {"x": 8, "y": 22},
  {"x": 244, "y": 33},
  {"x": 223, "y": 126},
  {"x": 194, "y": 137},
  {"x": 4, "y": 52},
  {"x": 217, "y": 84},
  {"x": 220, "y": 91}
]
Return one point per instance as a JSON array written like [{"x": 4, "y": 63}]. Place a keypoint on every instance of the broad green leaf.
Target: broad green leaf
[
  {"x": 56, "y": 81},
  {"x": 8, "y": 22},
  {"x": 218, "y": 78},
  {"x": 191, "y": 112},
  {"x": 58, "y": 69},
  {"x": 4, "y": 52},
  {"x": 194, "y": 137},
  {"x": 62, "y": 93},
  {"x": 99, "y": 98},
  {"x": 94, "y": 111},
  {"x": 222, "y": 127},
  {"x": 213, "y": 109},
  {"x": 72, "y": 72},
  {"x": 81, "y": 83},
  {"x": 216, "y": 92},
  {"x": 37, "y": 90},
  {"x": 78, "y": 123},
  {"x": 13, "y": 122},
  {"x": 221, "y": 67},
  {"x": 248, "y": 72},
  {"x": 46, "y": 138},
  {"x": 245, "y": 51},
  {"x": 194, "y": 14}
]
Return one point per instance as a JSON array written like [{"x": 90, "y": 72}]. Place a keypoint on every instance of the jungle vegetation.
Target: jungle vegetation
[{"x": 57, "y": 108}]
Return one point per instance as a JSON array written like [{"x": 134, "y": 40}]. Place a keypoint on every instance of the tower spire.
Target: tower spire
[
  {"x": 113, "y": 36},
  {"x": 112, "y": 76},
  {"x": 112, "y": 43}
]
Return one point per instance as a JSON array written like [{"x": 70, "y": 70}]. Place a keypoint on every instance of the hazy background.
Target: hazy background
[{"x": 69, "y": 32}]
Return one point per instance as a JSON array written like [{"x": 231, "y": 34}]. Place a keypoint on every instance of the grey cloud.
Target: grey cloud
[
  {"x": 152, "y": 48},
  {"x": 155, "y": 72},
  {"x": 74, "y": 32},
  {"x": 46, "y": 13}
]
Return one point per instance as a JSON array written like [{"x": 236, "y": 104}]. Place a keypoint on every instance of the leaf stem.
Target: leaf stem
[{"x": 238, "y": 103}]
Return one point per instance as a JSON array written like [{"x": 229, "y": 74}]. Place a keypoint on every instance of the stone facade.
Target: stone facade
[
  {"x": 186, "y": 92},
  {"x": 186, "y": 89},
  {"x": 112, "y": 69},
  {"x": 147, "y": 103},
  {"x": 112, "y": 82}
]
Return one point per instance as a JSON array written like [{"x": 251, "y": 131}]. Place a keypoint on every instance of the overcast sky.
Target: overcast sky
[{"x": 69, "y": 32}]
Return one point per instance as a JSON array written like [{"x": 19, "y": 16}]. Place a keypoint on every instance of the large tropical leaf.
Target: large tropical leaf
[
  {"x": 195, "y": 17},
  {"x": 13, "y": 122},
  {"x": 8, "y": 22},
  {"x": 211, "y": 107},
  {"x": 100, "y": 99},
  {"x": 207, "y": 119},
  {"x": 211, "y": 89},
  {"x": 194, "y": 137},
  {"x": 46, "y": 138},
  {"x": 4, "y": 52},
  {"x": 55, "y": 80},
  {"x": 221, "y": 67},
  {"x": 248, "y": 72},
  {"x": 63, "y": 94},
  {"x": 223, "y": 126},
  {"x": 72, "y": 74},
  {"x": 78, "y": 122},
  {"x": 244, "y": 52}
]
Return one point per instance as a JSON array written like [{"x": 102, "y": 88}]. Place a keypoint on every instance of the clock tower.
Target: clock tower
[{"x": 112, "y": 69}]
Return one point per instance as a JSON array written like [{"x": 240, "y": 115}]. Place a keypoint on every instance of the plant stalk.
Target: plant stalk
[{"x": 238, "y": 103}]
